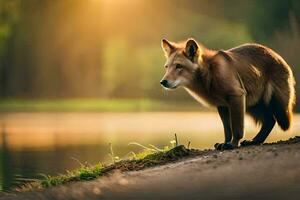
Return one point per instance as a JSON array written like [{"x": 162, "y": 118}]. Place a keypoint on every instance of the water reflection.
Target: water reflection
[
  {"x": 6, "y": 176},
  {"x": 34, "y": 143}
]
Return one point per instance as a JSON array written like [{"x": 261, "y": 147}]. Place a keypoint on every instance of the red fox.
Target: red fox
[{"x": 250, "y": 78}]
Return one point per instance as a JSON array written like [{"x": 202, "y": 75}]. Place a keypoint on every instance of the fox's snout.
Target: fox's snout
[
  {"x": 170, "y": 84},
  {"x": 164, "y": 83}
]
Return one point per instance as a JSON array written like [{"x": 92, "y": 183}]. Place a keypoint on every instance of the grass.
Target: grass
[
  {"x": 91, "y": 104},
  {"x": 149, "y": 156},
  {"x": 83, "y": 173}
]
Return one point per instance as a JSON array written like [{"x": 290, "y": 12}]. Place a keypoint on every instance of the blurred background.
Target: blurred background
[{"x": 76, "y": 75}]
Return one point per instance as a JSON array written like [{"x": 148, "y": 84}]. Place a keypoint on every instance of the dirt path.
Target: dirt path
[{"x": 260, "y": 172}]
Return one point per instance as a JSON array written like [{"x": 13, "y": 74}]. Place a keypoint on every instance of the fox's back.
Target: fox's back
[
  {"x": 259, "y": 67},
  {"x": 261, "y": 57}
]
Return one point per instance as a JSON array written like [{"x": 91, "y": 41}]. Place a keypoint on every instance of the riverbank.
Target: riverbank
[{"x": 258, "y": 172}]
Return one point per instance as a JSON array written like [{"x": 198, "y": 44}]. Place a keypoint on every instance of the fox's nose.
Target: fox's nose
[{"x": 164, "y": 82}]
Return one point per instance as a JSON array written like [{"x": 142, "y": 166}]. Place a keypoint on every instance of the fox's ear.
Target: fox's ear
[
  {"x": 192, "y": 49},
  {"x": 167, "y": 46}
]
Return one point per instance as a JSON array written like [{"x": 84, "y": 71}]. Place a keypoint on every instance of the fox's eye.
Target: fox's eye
[
  {"x": 166, "y": 66},
  {"x": 179, "y": 66}
]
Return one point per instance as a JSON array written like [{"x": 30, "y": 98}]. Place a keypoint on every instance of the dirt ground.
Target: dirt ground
[{"x": 270, "y": 171}]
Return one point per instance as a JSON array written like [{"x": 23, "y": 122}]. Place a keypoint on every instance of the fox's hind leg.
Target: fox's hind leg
[{"x": 263, "y": 115}]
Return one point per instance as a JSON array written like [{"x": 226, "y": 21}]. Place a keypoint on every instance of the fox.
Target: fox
[{"x": 248, "y": 79}]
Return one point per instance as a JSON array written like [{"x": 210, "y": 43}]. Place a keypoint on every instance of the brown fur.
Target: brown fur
[{"x": 249, "y": 78}]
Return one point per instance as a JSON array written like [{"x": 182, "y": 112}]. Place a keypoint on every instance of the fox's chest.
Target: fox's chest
[{"x": 205, "y": 99}]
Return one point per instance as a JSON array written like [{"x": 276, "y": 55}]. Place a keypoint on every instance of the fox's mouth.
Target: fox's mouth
[
  {"x": 170, "y": 88},
  {"x": 173, "y": 87}
]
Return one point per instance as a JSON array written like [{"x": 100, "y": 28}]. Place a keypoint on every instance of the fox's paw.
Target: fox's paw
[
  {"x": 249, "y": 143},
  {"x": 224, "y": 146}
]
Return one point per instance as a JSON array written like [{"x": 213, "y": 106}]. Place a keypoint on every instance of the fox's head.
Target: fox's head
[{"x": 182, "y": 62}]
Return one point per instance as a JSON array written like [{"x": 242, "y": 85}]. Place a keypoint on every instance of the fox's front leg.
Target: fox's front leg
[
  {"x": 237, "y": 105},
  {"x": 233, "y": 122},
  {"x": 224, "y": 113}
]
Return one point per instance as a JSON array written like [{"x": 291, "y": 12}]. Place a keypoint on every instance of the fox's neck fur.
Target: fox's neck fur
[{"x": 200, "y": 86}]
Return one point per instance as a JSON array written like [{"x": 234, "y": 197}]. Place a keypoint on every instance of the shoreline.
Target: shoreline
[{"x": 256, "y": 172}]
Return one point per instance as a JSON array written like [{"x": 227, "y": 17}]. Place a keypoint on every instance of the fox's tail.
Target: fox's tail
[
  {"x": 282, "y": 113},
  {"x": 282, "y": 103}
]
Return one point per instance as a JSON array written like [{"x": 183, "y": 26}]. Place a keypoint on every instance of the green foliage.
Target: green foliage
[
  {"x": 267, "y": 19},
  {"x": 9, "y": 14}
]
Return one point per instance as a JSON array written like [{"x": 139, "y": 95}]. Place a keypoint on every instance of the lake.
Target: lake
[{"x": 38, "y": 143}]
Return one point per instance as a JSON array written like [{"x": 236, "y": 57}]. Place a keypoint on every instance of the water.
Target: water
[{"x": 50, "y": 143}]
